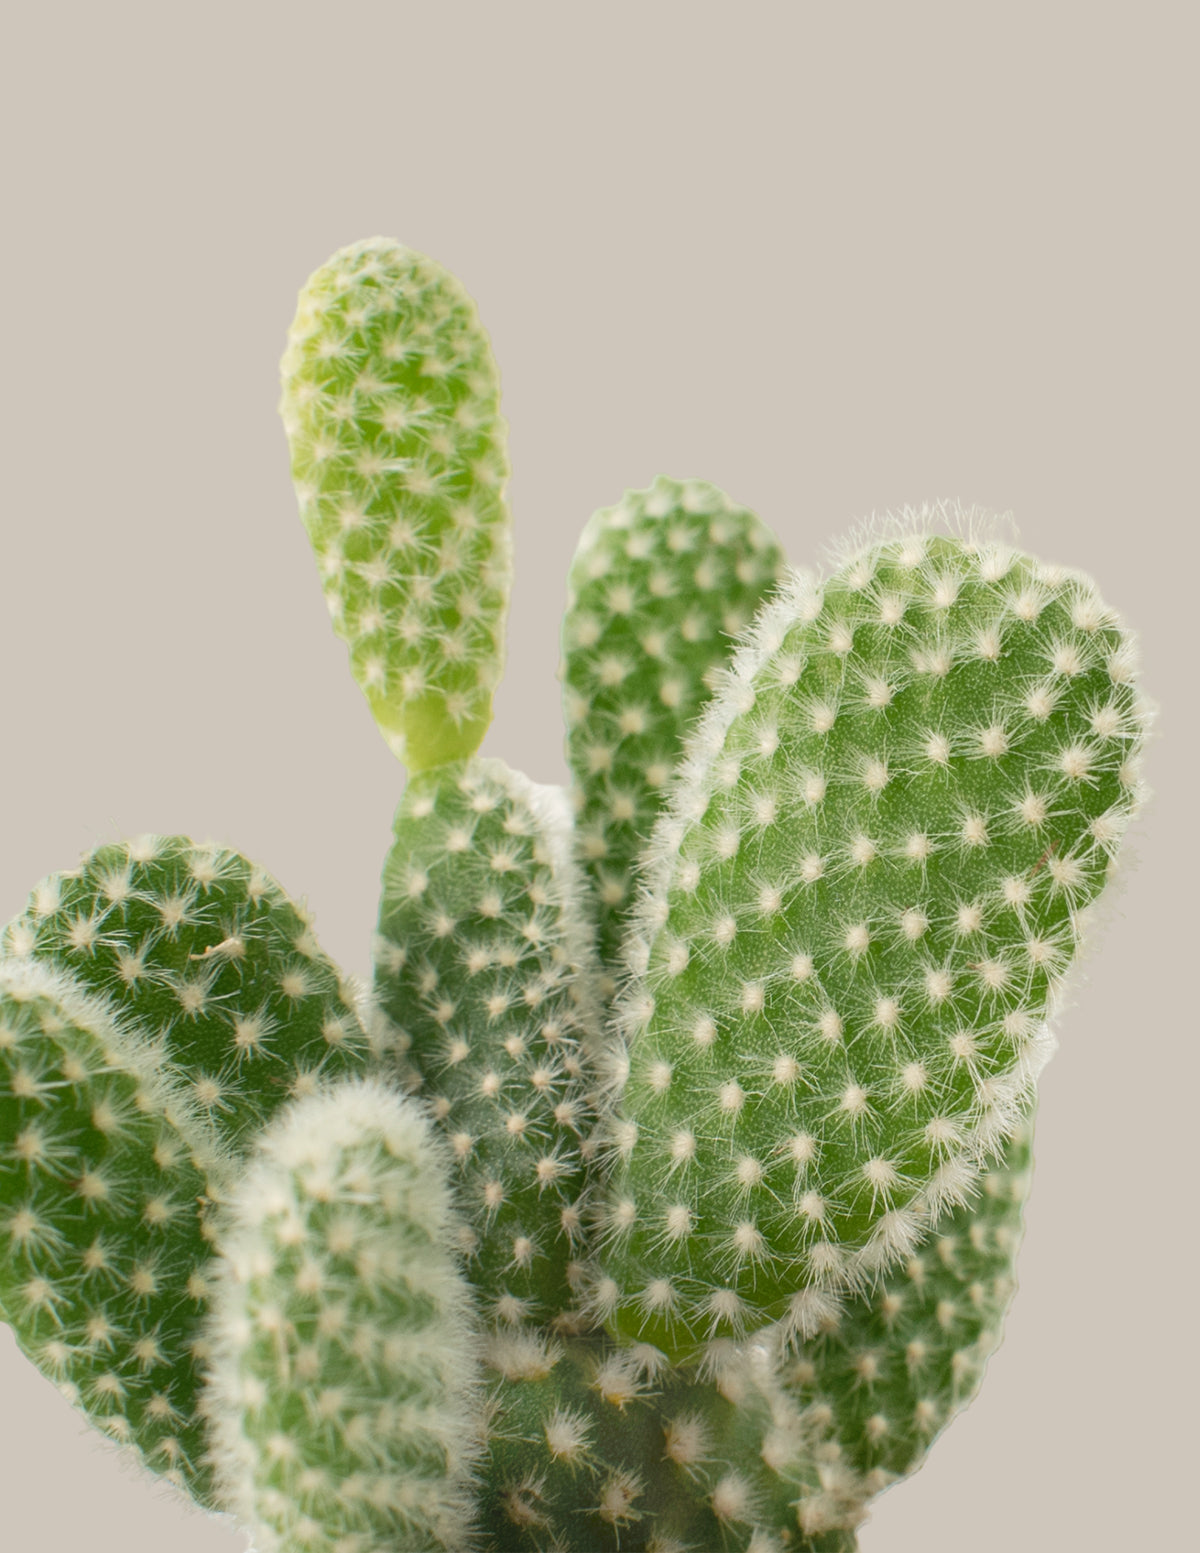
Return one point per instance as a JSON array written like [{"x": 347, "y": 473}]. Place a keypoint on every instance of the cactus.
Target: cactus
[
  {"x": 663, "y": 1194},
  {"x": 391, "y": 406},
  {"x": 106, "y": 1173},
  {"x": 660, "y": 585},
  {"x": 344, "y": 1364},
  {"x": 858, "y": 911},
  {"x": 597, "y": 1448},
  {"x": 892, "y": 1370},
  {"x": 204, "y": 953},
  {"x": 484, "y": 967},
  {"x": 164, "y": 999}
]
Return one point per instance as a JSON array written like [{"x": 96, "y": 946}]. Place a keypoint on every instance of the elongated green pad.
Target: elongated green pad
[
  {"x": 343, "y": 1398},
  {"x": 901, "y": 1361},
  {"x": 205, "y": 956},
  {"x": 598, "y": 1449},
  {"x": 391, "y": 407},
  {"x": 870, "y": 882},
  {"x": 484, "y": 965},
  {"x": 105, "y": 1177},
  {"x": 660, "y": 585}
]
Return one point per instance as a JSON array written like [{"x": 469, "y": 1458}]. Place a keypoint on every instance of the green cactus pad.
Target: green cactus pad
[
  {"x": 391, "y": 407},
  {"x": 598, "y": 1449},
  {"x": 343, "y": 1396},
  {"x": 205, "y": 956},
  {"x": 871, "y": 879},
  {"x": 105, "y": 1176},
  {"x": 483, "y": 963},
  {"x": 898, "y": 1363},
  {"x": 659, "y": 585}
]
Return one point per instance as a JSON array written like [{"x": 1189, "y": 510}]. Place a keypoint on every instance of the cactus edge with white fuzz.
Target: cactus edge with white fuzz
[
  {"x": 859, "y": 909},
  {"x": 343, "y": 1391},
  {"x": 108, "y": 1173},
  {"x": 663, "y": 1192}
]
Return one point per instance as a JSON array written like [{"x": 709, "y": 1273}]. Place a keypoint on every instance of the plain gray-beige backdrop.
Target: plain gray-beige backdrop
[{"x": 834, "y": 260}]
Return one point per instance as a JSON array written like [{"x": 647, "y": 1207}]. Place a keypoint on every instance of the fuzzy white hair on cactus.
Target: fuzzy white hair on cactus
[{"x": 342, "y": 1394}]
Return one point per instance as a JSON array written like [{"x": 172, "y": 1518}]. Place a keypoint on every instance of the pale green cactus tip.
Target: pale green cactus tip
[
  {"x": 859, "y": 909},
  {"x": 708, "y": 1273},
  {"x": 391, "y": 407}
]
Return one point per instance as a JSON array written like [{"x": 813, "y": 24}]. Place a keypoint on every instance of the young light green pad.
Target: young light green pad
[
  {"x": 343, "y": 1393},
  {"x": 105, "y": 1179},
  {"x": 203, "y": 954},
  {"x": 484, "y": 966},
  {"x": 864, "y": 896},
  {"x": 902, "y": 1360},
  {"x": 391, "y": 407},
  {"x": 660, "y": 585}
]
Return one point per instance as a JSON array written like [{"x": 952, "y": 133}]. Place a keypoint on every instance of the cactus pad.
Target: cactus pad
[
  {"x": 484, "y": 966},
  {"x": 901, "y": 1361},
  {"x": 206, "y": 957},
  {"x": 598, "y": 1449},
  {"x": 105, "y": 1178},
  {"x": 342, "y": 1396},
  {"x": 659, "y": 586},
  {"x": 870, "y": 882},
  {"x": 391, "y": 406}
]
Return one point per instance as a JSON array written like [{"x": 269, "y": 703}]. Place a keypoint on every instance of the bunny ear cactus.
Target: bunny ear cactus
[
  {"x": 468, "y": 1262},
  {"x": 391, "y": 406},
  {"x": 870, "y": 881}
]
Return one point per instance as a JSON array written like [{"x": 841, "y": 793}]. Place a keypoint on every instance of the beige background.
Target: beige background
[{"x": 832, "y": 263}]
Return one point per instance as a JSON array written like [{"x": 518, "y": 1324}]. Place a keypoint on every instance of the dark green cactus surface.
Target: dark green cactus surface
[
  {"x": 205, "y": 955},
  {"x": 899, "y": 1362},
  {"x": 483, "y": 965},
  {"x": 105, "y": 1180},
  {"x": 599, "y": 1449}
]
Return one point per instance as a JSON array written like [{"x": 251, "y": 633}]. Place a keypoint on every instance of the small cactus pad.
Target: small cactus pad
[
  {"x": 860, "y": 905},
  {"x": 483, "y": 964},
  {"x": 343, "y": 1396},
  {"x": 902, "y": 1360},
  {"x": 598, "y": 1449},
  {"x": 391, "y": 407},
  {"x": 659, "y": 585},
  {"x": 104, "y": 1175},
  {"x": 205, "y": 956}
]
